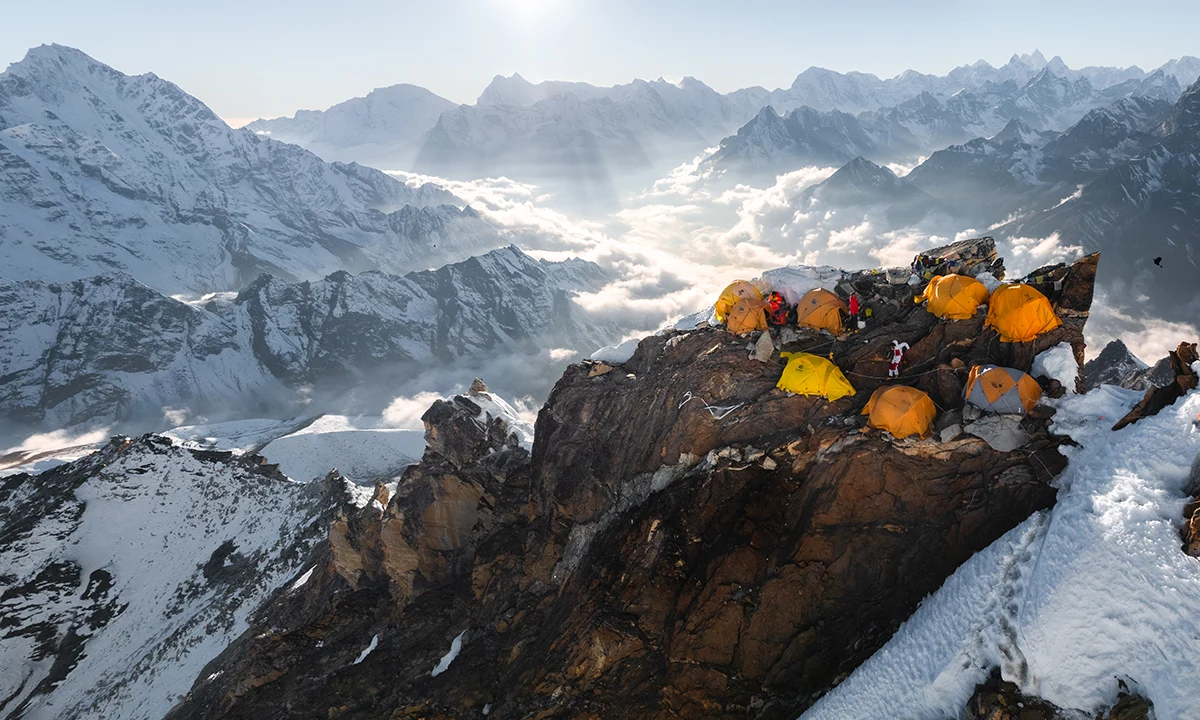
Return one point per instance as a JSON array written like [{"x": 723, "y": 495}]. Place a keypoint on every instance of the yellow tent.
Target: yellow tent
[
  {"x": 737, "y": 290},
  {"x": 1020, "y": 313},
  {"x": 901, "y": 410},
  {"x": 740, "y": 307},
  {"x": 808, "y": 374},
  {"x": 1001, "y": 390},
  {"x": 954, "y": 297},
  {"x": 822, "y": 310}
]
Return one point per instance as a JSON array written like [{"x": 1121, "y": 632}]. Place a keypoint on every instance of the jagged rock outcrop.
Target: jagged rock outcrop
[
  {"x": 1191, "y": 511},
  {"x": 423, "y": 536},
  {"x": 997, "y": 699},
  {"x": 685, "y": 540},
  {"x": 1185, "y": 378}
]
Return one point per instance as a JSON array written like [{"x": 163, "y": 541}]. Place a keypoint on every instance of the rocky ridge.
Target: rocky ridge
[
  {"x": 684, "y": 540},
  {"x": 109, "y": 349}
]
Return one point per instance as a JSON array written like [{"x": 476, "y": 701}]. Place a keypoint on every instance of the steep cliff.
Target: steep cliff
[{"x": 684, "y": 540}]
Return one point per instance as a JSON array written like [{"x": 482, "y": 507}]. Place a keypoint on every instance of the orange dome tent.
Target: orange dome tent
[
  {"x": 954, "y": 297},
  {"x": 1020, "y": 313},
  {"x": 740, "y": 307},
  {"x": 1001, "y": 390},
  {"x": 822, "y": 310},
  {"x": 901, "y": 410}
]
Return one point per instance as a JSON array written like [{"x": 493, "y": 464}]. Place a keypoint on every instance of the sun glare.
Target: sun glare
[{"x": 527, "y": 7}]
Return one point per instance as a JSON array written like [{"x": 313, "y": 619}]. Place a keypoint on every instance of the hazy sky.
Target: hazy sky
[{"x": 248, "y": 58}]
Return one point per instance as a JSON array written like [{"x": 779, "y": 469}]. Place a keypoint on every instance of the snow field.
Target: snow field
[{"x": 1093, "y": 591}]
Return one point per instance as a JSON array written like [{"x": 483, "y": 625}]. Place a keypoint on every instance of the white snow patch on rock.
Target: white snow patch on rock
[
  {"x": 455, "y": 649},
  {"x": 494, "y": 406},
  {"x": 369, "y": 649},
  {"x": 300, "y": 581},
  {"x": 617, "y": 353},
  {"x": 1058, "y": 363},
  {"x": 793, "y": 281}
]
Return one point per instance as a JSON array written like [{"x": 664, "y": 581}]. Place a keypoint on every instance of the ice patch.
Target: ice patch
[
  {"x": 302, "y": 580},
  {"x": 455, "y": 649},
  {"x": 793, "y": 281},
  {"x": 369, "y": 649},
  {"x": 360, "y": 448}
]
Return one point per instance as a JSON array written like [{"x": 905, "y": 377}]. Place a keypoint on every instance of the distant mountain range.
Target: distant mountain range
[
  {"x": 109, "y": 349},
  {"x": 1144, "y": 206},
  {"x": 103, "y": 172},
  {"x": 1124, "y": 180},
  {"x": 385, "y": 128},
  {"x": 592, "y": 137},
  {"x": 771, "y": 144}
]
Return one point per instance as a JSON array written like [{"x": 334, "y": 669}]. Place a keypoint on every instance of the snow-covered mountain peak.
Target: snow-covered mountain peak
[
  {"x": 102, "y": 171},
  {"x": 1035, "y": 60},
  {"x": 512, "y": 90},
  {"x": 1058, "y": 66},
  {"x": 1184, "y": 122},
  {"x": 61, "y": 86},
  {"x": 1018, "y": 131},
  {"x": 63, "y": 60},
  {"x": 862, "y": 173},
  {"x": 128, "y": 570}
]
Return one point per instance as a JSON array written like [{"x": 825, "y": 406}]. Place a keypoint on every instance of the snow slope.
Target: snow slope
[
  {"x": 1094, "y": 590},
  {"x": 127, "y": 571},
  {"x": 359, "y": 448}
]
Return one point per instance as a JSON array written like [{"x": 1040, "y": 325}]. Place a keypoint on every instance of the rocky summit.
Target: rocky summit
[{"x": 684, "y": 539}]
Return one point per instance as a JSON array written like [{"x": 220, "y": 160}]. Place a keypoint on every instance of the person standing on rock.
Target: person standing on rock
[
  {"x": 898, "y": 349},
  {"x": 854, "y": 309}
]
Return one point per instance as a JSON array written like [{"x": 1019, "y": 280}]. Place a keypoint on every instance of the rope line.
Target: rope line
[{"x": 718, "y": 412}]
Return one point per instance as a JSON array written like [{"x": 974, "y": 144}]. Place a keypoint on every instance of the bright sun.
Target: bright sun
[{"x": 528, "y": 7}]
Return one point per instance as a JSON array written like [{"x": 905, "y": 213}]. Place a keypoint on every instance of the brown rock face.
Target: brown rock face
[{"x": 686, "y": 540}]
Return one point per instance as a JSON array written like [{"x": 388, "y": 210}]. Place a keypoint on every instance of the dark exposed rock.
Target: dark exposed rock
[
  {"x": 685, "y": 541},
  {"x": 998, "y": 699}
]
